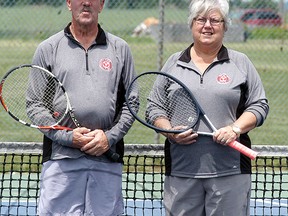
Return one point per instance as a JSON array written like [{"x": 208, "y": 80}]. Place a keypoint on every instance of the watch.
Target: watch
[{"x": 236, "y": 130}]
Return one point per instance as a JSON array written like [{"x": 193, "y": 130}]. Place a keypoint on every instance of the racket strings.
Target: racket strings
[
  {"x": 182, "y": 111},
  {"x": 161, "y": 97},
  {"x": 34, "y": 97},
  {"x": 13, "y": 87}
]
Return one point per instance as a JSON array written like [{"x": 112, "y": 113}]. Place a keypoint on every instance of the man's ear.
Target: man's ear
[
  {"x": 101, "y": 5},
  {"x": 68, "y": 2}
]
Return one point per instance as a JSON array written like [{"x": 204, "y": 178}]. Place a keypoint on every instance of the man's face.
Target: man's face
[{"x": 85, "y": 12}]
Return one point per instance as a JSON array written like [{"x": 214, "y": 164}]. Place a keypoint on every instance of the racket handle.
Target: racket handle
[
  {"x": 113, "y": 156},
  {"x": 244, "y": 149}
]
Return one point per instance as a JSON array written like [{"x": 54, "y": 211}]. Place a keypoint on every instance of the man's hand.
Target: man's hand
[
  {"x": 98, "y": 145},
  {"x": 79, "y": 137}
]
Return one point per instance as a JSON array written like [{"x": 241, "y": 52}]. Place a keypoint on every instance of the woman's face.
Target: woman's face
[{"x": 208, "y": 29}]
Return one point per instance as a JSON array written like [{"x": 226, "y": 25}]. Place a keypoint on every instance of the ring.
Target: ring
[{"x": 223, "y": 140}]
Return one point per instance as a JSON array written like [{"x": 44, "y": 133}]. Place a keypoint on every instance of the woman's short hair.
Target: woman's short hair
[{"x": 198, "y": 7}]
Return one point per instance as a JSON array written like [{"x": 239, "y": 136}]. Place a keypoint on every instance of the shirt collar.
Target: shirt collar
[
  {"x": 99, "y": 40},
  {"x": 221, "y": 56}
]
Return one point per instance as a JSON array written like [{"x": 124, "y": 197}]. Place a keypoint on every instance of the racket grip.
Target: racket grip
[
  {"x": 113, "y": 156},
  {"x": 244, "y": 149}
]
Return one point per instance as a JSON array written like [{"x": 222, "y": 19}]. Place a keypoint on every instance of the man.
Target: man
[{"x": 95, "y": 68}]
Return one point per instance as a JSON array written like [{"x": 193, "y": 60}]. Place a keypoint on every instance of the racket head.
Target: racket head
[
  {"x": 34, "y": 97},
  {"x": 153, "y": 95}
]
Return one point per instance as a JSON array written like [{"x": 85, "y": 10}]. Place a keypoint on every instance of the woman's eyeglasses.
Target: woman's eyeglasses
[{"x": 212, "y": 21}]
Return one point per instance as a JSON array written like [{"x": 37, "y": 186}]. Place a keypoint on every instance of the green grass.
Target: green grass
[{"x": 20, "y": 33}]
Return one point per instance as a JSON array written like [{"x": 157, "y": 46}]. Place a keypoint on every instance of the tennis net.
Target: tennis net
[{"x": 143, "y": 176}]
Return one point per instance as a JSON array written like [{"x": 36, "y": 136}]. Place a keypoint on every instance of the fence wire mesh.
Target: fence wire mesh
[{"x": 154, "y": 30}]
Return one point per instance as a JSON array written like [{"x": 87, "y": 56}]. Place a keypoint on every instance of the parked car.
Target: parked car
[{"x": 261, "y": 17}]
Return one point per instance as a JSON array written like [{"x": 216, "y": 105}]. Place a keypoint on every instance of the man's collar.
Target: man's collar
[{"x": 100, "y": 39}]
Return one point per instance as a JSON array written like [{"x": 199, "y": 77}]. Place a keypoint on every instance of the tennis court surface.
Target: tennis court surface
[{"x": 142, "y": 180}]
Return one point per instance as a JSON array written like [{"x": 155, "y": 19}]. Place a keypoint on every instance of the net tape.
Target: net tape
[{"x": 135, "y": 149}]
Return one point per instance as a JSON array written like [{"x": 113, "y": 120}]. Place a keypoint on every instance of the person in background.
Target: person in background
[
  {"x": 95, "y": 68},
  {"x": 203, "y": 175}
]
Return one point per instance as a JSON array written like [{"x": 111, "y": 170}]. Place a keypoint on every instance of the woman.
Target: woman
[{"x": 203, "y": 175}]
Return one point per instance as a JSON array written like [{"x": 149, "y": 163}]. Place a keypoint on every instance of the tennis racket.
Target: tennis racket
[
  {"x": 160, "y": 95},
  {"x": 34, "y": 97}
]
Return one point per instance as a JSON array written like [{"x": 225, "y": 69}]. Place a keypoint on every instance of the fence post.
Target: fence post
[{"x": 160, "y": 48}]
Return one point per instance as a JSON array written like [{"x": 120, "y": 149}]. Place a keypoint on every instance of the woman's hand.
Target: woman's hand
[
  {"x": 184, "y": 138},
  {"x": 225, "y": 135}
]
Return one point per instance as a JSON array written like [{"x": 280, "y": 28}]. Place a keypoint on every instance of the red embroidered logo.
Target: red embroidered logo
[
  {"x": 105, "y": 64},
  {"x": 223, "y": 78}
]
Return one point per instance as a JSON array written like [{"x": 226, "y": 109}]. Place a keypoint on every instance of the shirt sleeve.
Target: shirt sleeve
[
  {"x": 124, "y": 119},
  {"x": 256, "y": 102}
]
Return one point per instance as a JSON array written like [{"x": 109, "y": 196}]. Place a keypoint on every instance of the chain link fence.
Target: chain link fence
[{"x": 154, "y": 30}]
